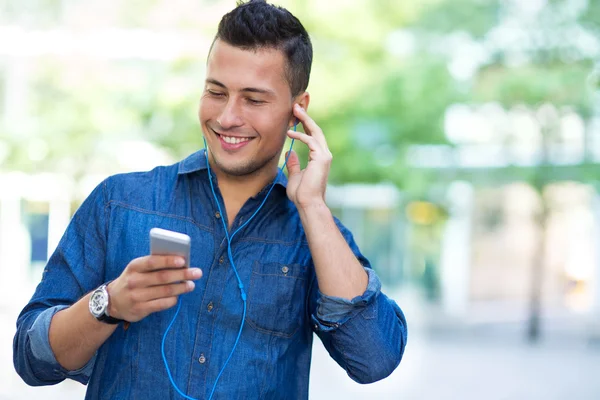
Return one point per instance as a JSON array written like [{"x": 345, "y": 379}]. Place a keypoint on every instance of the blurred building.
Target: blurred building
[{"x": 523, "y": 212}]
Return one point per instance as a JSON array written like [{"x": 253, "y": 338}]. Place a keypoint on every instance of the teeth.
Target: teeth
[{"x": 234, "y": 140}]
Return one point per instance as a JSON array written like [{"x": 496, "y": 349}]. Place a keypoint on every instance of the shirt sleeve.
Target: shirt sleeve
[
  {"x": 366, "y": 335},
  {"x": 74, "y": 269},
  {"x": 43, "y": 354},
  {"x": 337, "y": 310}
]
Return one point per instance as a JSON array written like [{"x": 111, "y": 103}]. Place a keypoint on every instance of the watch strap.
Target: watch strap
[{"x": 109, "y": 320}]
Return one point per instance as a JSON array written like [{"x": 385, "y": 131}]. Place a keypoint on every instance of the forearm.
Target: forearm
[
  {"x": 75, "y": 335},
  {"x": 339, "y": 273}
]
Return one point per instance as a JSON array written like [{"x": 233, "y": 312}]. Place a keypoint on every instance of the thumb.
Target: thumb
[{"x": 293, "y": 163}]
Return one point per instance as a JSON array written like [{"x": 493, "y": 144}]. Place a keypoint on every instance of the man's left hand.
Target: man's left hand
[{"x": 307, "y": 187}]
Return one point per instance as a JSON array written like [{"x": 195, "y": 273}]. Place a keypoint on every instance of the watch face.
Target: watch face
[{"x": 98, "y": 303}]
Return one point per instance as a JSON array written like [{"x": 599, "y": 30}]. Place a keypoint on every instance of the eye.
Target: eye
[
  {"x": 255, "y": 102},
  {"x": 214, "y": 93}
]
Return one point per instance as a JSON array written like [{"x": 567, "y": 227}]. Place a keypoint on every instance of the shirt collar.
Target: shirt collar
[
  {"x": 193, "y": 163},
  {"x": 198, "y": 162}
]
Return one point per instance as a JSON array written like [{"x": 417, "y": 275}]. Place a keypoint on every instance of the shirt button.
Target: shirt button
[
  {"x": 285, "y": 269},
  {"x": 202, "y": 359},
  {"x": 316, "y": 327},
  {"x": 221, "y": 259},
  {"x": 217, "y": 215},
  {"x": 210, "y": 306}
]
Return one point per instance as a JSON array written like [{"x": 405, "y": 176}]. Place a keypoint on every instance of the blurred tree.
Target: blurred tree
[
  {"x": 373, "y": 93},
  {"x": 372, "y": 98}
]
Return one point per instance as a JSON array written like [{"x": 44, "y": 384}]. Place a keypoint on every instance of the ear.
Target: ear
[{"x": 303, "y": 99}]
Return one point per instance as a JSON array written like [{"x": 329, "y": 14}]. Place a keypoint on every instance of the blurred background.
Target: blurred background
[{"x": 466, "y": 142}]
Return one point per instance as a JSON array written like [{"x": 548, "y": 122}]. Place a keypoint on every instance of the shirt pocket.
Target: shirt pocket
[{"x": 277, "y": 298}]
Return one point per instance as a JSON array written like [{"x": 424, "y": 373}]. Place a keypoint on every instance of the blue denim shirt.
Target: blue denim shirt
[{"x": 366, "y": 336}]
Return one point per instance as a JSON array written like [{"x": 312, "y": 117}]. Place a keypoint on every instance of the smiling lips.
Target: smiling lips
[
  {"x": 233, "y": 139},
  {"x": 231, "y": 143}
]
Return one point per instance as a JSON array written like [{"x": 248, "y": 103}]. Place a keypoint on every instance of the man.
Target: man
[{"x": 300, "y": 268}]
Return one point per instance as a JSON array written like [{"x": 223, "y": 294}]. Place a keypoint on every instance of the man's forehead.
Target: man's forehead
[{"x": 234, "y": 66}]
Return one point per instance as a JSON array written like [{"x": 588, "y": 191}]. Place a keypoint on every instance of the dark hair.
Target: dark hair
[{"x": 255, "y": 24}]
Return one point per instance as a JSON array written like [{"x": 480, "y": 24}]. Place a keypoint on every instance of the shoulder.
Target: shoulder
[
  {"x": 288, "y": 216},
  {"x": 121, "y": 187}
]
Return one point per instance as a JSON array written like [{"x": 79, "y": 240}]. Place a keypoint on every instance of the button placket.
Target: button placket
[{"x": 205, "y": 332}]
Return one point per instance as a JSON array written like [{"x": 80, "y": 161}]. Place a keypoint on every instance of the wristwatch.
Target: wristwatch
[{"x": 99, "y": 305}]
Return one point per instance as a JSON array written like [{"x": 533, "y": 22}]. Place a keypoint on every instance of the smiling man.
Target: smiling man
[{"x": 270, "y": 265}]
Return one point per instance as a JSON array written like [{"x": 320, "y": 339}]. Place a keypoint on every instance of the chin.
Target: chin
[{"x": 235, "y": 168}]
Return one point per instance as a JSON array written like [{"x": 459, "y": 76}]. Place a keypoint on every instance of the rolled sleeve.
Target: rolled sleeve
[
  {"x": 366, "y": 335},
  {"x": 42, "y": 354},
  {"x": 333, "y": 312},
  {"x": 74, "y": 268}
]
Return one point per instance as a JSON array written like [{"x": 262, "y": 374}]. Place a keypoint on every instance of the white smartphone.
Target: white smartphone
[{"x": 165, "y": 242}]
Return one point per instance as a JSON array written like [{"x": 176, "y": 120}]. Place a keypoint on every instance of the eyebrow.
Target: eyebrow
[{"x": 247, "y": 89}]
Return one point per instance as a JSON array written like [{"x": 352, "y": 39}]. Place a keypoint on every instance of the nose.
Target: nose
[{"x": 230, "y": 116}]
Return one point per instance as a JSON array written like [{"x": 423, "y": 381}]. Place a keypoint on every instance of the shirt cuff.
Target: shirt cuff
[
  {"x": 335, "y": 311},
  {"x": 41, "y": 350}
]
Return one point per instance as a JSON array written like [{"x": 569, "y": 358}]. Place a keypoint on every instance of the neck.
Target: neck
[
  {"x": 236, "y": 190},
  {"x": 244, "y": 187}
]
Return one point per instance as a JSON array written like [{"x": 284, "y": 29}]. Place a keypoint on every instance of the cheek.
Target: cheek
[
  {"x": 269, "y": 122},
  {"x": 271, "y": 128},
  {"x": 207, "y": 109}
]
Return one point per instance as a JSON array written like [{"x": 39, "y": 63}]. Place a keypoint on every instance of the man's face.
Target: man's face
[{"x": 245, "y": 109}]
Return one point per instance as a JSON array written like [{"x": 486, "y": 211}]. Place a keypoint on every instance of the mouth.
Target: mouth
[
  {"x": 230, "y": 143},
  {"x": 233, "y": 139}
]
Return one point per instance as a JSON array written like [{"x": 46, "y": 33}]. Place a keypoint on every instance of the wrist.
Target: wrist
[
  {"x": 311, "y": 205},
  {"x": 99, "y": 305},
  {"x": 111, "y": 309},
  {"x": 316, "y": 211}
]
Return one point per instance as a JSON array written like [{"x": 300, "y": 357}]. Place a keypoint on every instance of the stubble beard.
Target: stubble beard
[{"x": 244, "y": 168}]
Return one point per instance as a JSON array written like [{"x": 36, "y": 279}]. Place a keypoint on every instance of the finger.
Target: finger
[
  {"x": 168, "y": 276},
  {"x": 293, "y": 163},
  {"x": 316, "y": 151},
  {"x": 162, "y": 292},
  {"x": 310, "y": 141},
  {"x": 310, "y": 126},
  {"x": 156, "y": 262},
  {"x": 160, "y": 304}
]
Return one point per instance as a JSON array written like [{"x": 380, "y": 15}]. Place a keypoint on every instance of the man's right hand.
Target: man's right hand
[{"x": 150, "y": 284}]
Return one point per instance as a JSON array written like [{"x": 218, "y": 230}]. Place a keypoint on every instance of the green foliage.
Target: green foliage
[
  {"x": 475, "y": 17},
  {"x": 373, "y": 103},
  {"x": 534, "y": 85}
]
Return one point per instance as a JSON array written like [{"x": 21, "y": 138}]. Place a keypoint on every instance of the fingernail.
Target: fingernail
[
  {"x": 189, "y": 285},
  {"x": 196, "y": 273},
  {"x": 179, "y": 262}
]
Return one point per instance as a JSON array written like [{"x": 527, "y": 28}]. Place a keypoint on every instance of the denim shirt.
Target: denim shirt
[{"x": 366, "y": 336}]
